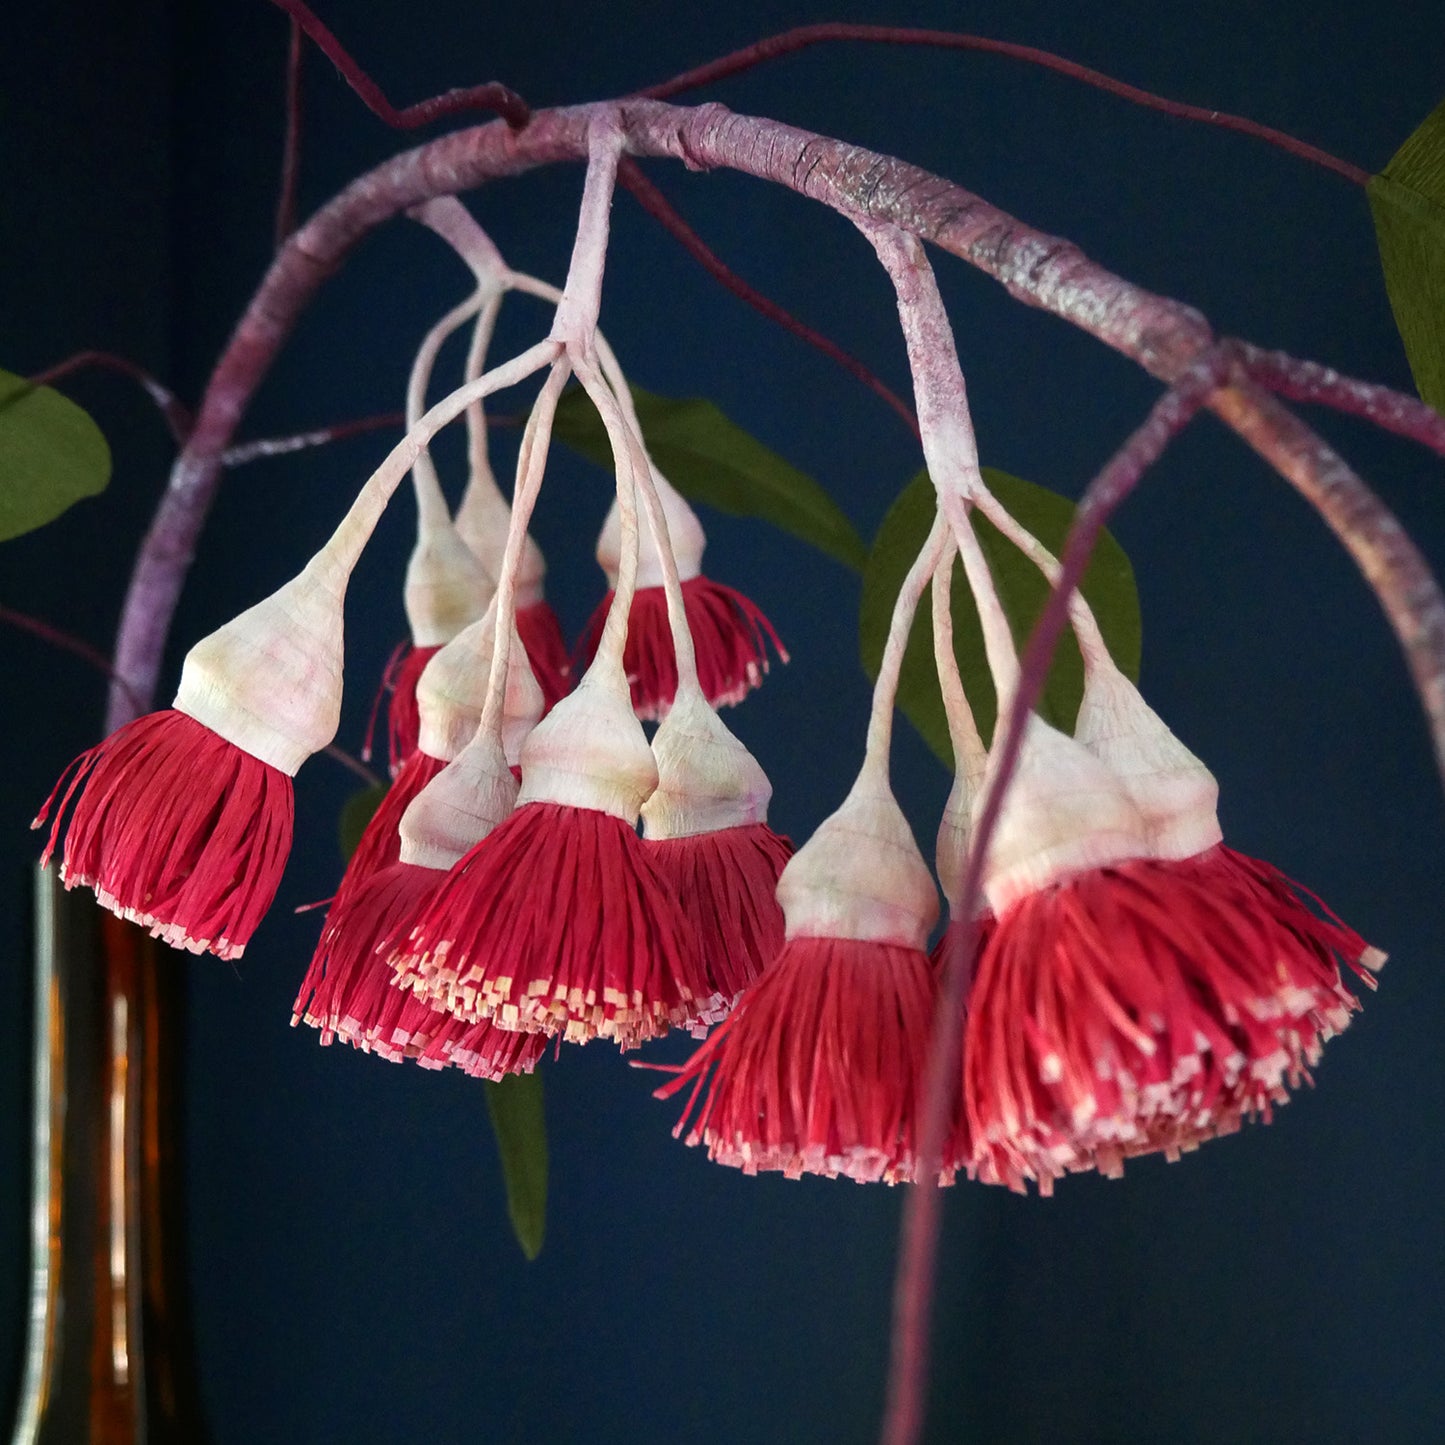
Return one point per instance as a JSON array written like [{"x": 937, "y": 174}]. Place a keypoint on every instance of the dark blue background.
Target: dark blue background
[{"x": 353, "y": 1273}]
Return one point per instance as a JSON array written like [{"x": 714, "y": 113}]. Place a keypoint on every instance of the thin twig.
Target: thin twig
[
  {"x": 243, "y": 452},
  {"x": 353, "y": 765},
  {"x": 493, "y": 96},
  {"x": 176, "y": 414},
  {"x": 661, "y": 210},
  {"x": 804, "y": 36},
  {"x": 77, "y": 646},
  {"x": 291, "y": 148}
]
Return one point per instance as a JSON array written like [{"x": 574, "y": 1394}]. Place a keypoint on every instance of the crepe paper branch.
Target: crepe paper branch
[
  {"x": 493, "y": 96},
  {"x": 176, "y": 414},
  {"x": 789, "y": 42},
  {"x": 661, "y": 210}
]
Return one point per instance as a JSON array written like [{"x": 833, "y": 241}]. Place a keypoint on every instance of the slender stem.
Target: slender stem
[
  {"x": 890, "y": 666},
  {"x": 431, "y": 502},
  {"x": 969, "y": 754},
  {"x": 791, "y": 41},
  {"x": 630, "y": 454},
  {"x": 176, "y": 414},
  {"x": 479, "y": 461},
  {"x": 353, "y": 765},
  {"x": 661, "y": 210},
  {"x": 291, "y": 148},
  {"x": 531, "y": 466},
  {"x": 493, "y": 96},
  {"x": 343, "y": 548}
]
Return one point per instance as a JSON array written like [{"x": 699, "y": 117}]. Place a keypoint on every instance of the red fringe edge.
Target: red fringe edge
[{"x": 175, "y": 829}]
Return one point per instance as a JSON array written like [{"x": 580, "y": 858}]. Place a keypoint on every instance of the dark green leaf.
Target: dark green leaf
[
  {"x": 712, "y": 460},
  {"x": 1407, "y": 201},
  {"x": 51, "y": 455},
  {"x": 1108, "y": 585},
  {"x": 520, "y": 1123},
  {"x": 356, "y": 813}
]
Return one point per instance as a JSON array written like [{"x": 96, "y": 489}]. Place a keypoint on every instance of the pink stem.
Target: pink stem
[
  {"x": 493, "y": 96},
  {"x": 176, "y": 414},
  {"x": 291, "y": 148},
  {"x": 790, "y": 41}
]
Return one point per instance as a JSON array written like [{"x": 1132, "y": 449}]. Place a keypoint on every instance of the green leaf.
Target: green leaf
[
  {"x": 1407, "y": 200},
  {"x": 1022, "y": 589},
  {"x": 712, "y": 460},
  {"x": 51, "y": 455},
  {"x": 520, "y": 1124},
  {"x": 356, "y": 813}
]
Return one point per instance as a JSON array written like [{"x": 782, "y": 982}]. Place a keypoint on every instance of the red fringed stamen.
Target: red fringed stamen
[
  {"x": 727, "y": 884},
  {"x": 730, "y": 635},
  {"x": 1146, "y": 1007},
  {"x": 820, "y": 1068},
  {"x": 177, "y": 830},
  {"x": 556, "y": 922},
  {"x": 541, "y": 636},
  {"x": 380, "y": 843},
  {"x": 959, "y": 1147},
  {"x": 348, "y": 991},
  {"x": 403, "y": 718}
]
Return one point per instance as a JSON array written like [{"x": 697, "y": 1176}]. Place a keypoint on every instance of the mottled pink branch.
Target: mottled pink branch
[{"x": 1309, "y": 381}]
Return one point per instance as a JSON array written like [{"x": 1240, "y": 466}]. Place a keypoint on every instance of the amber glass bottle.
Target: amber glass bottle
[{"x": 109, "y": 1357}]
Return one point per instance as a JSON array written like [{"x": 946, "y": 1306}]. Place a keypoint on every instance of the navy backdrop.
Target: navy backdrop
[{"x": 353, "y": 1275}]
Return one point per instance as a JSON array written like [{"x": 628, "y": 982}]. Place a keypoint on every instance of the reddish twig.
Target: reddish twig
[
  {"x": 1309, "y": 381},
  {"x": 661, "y": 210},
  {"x": 243, "y": 452},
  {"x": 176, "y": 414},
  {"x": 291, "y": 148},
  {"x": 493, "y": 96},
  {"x": 77, "y": 646},
  {"x": 352, "y": 765},
  {"x": 791, "y": 41}
]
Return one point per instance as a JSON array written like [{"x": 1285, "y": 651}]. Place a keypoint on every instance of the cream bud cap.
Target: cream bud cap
[
  {"x": 459, "y": 807},
  {"x": 269, "y": 681},
  {"x": 483, "y": 520},
  {"x": 955, "y": 829},
  {"x": 452, "y": 689},
  {"x": 1176, "y": 794},
  {"x": 1063, "y": 814},
  {"x": 446, "y": 586},
  {"x": 861, "y": 876},
  {"x": 590, "y": 750},
  {"x": 684, "y": 531},
  {"x": 706, "y": 779}
]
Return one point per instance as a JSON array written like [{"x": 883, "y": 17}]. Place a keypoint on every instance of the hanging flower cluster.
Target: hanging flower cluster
[{"x": 542, "y": 870}]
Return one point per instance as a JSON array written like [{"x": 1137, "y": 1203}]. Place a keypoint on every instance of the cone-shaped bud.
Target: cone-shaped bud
[
  {"x": 269, "y": 681},
  {"x": 1063, "y": 814},
  {"x": 446, "y": 586},
  {"x": 469, "y": 797},
  {"x": 453, "y": 688},
  {"x": 1174, "y": 792},
  {"x": 955, "y": 828},
  {"x": 482, "y": 521},
  {"x": 683, "y": 529},
  {"x": 861, "y": 876},
  {"x": 706, "y": 779},
  {"x": 590, "y": 752}
]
